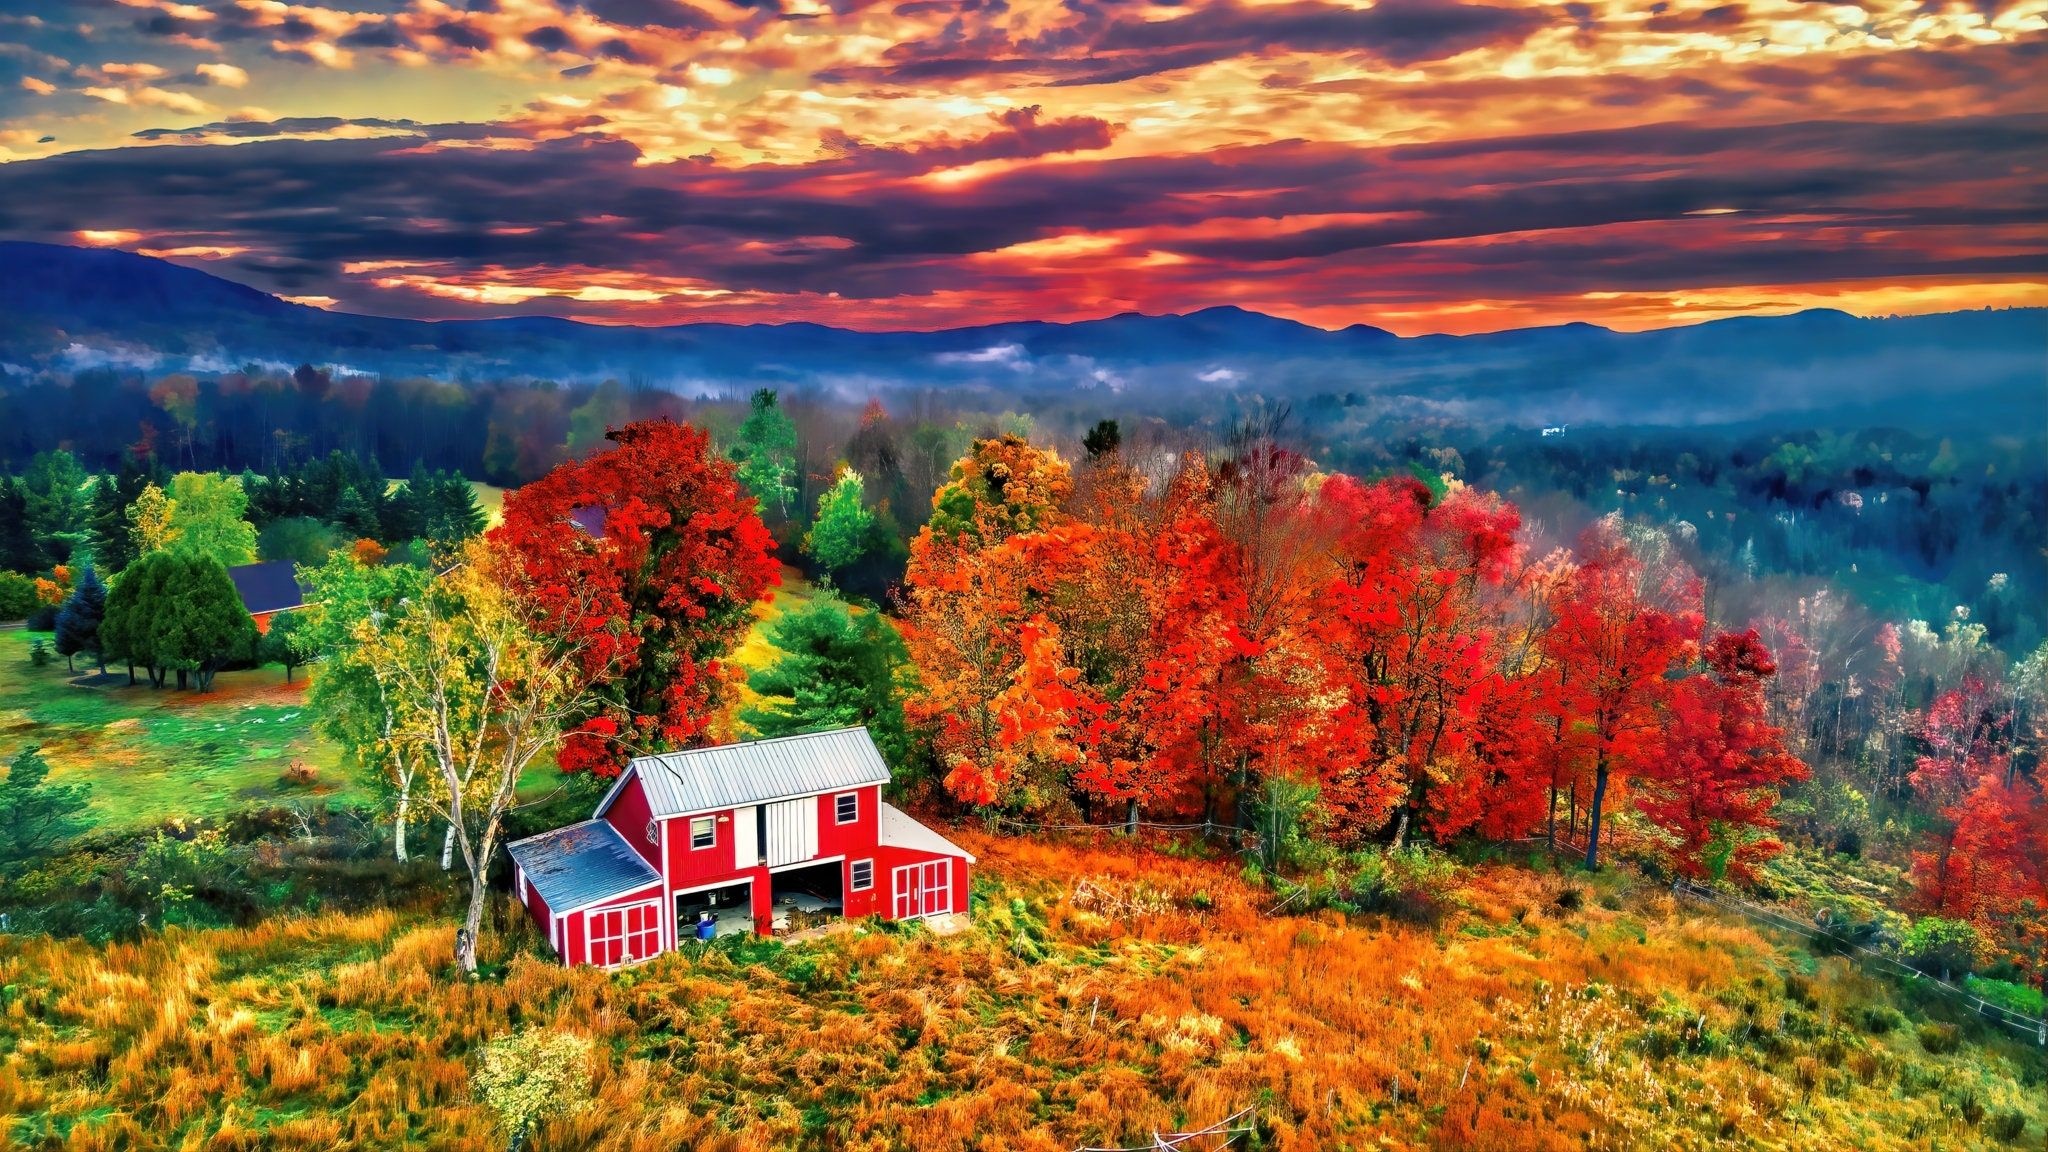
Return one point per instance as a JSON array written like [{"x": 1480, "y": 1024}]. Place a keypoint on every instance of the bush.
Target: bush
[
  {"x": 38, "y": 653},
  {"x": 1944, "y": 948},
  {"x": 2012, "y": 997},
  {"x": 1405, "y": 882},
  {"x": 2008, "y": 1126},
  {"x": 1940, "y": 1039},
  {"x": 1879, "y": 1019},
  {"x": 17, "y": 596},
  {"x": 1571, "y": 899},
  {"x": 42, "y": 618}
]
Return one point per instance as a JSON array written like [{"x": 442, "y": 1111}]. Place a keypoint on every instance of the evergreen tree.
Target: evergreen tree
[
  {"x": 54, "y": 487},
  {"x": 35, "y": 815},
  {"x": 288, "y": 642},
  {"x": 840, "y": 533},
  {"x": 78, "y": 622},
  {"x": 108, "y": 529},
  {"x": 355, "y": 515},
  {"x": 176, "y": 612},
  {"x": 838, "y": 668},
  {"x": 1102, "y": 440},
  {"x": 19, "y": 551},
  {"x": 766, "y": 453}
]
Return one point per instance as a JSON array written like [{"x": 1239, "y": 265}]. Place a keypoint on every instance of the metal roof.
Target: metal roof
[
  {"x": 580, "y": 865},
  {"x": 757, "y": 771},
  {"x": 898, "y": 829},
  {"x": 272, "y": 586}
]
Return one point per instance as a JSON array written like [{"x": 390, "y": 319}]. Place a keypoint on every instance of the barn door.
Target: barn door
[
  {"x": 938, "y": 888},
  {"x": 792, "y": 831},
  {"x": 746, "y": 838},
  {"x": 907, "y": 903}
]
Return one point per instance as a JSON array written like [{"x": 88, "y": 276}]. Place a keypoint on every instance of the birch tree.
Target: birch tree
[{"x": 475, "y": 699}]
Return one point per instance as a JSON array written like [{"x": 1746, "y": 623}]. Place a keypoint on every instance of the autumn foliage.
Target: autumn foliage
[
  {"x": 662, "y": 556},
  {"x": 1160, "y": 639}
]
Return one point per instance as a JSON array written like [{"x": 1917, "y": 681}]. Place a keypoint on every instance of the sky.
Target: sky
[{"x": 1421, "y": 166}]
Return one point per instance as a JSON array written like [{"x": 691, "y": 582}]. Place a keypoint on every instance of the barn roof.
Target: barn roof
[
  {"x": 581, "y": 864},
  {"x": 897, "y": 829},
  {"x": 272, "y": 586},
  {"x": 757, "y": 771}
]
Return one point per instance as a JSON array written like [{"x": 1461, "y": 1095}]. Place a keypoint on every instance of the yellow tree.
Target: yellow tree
[
  {"x": 151, "y": 514},
  {"x": 478, "y": 697}
]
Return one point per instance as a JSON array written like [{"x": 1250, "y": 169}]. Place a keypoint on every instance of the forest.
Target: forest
[{"x": 1363, "y": 666}]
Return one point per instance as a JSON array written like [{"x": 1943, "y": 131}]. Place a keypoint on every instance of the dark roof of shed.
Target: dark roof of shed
[
  {"x": 581, "y": 864},
  {"x": 590, "y": 518},
  {"x": 272, "y": 586}
]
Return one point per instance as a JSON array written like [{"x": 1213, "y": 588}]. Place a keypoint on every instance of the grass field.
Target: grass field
[
  {"x": 156, "y": 754},
  {"x": 1103, "y": 993},
  {"x": 152, "y": 754}
]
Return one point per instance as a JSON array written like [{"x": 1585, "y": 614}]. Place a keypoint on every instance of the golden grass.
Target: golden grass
[{"x": 1157, "y": 994}]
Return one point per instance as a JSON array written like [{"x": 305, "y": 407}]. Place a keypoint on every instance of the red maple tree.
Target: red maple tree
[{"x": 658, "y": 536}]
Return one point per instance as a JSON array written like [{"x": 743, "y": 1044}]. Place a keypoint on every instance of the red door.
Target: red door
[{"x": 618, "y": 936}]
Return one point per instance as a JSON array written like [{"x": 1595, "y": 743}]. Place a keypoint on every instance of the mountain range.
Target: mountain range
[{"x": 65, "y": 310}]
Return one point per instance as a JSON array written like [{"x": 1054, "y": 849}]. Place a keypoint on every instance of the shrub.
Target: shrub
[
  {"x": 1941, "y": 947},
  {"x": 531, "y": 1075},
  {"x": 2008, "y": 1126},
  {"x": 1406, "y": 882},
  {"x": 1940, "y": 1039},
  {"x": 38, "y": 653},
  {"x": 1571, "y": 899},
  {"x": 1879, "y": 1019},
  {"x": 17, "y": 596}
]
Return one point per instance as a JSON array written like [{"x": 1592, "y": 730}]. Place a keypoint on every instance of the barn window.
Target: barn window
[
  {"x": 703, "y": 832},
  {"x": 863, "y": 875},
  {"x": 653, "y": 832},
  {"x": 846, "y": 807}
]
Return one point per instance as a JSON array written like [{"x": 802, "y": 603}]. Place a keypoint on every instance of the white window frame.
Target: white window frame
[
  {"x": 841, "y": 798},
  {"x": 853, "y": 883},
  {"x": 649, "y": 935},
  {"x": 710, "y": 823}
]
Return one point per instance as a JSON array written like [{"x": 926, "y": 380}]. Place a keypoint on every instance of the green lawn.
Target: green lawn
[
  {"x": 151, "y": 755},
  {"x": 157, "y": 754}
]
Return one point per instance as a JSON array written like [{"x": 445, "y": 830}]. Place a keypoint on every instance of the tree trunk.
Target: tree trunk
[
  {"x": 472, "y": 924},
  {"x": 1131, "y": 817},
  {"x": 448, "y": 849},
  {"x": 1593, "y": 820},
  {"x": 1401, "y": 830},
  {"x": 398, "y": 825}
]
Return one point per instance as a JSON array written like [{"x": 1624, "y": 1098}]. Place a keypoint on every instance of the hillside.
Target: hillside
[
  {"x": 1102, "y": 993},
  {"x": 65, "y": 310}
]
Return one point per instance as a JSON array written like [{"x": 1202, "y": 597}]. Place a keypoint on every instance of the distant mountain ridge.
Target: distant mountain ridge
[{"x": 65, "y": 309}]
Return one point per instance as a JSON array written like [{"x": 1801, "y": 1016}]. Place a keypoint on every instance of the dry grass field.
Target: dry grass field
[{"x": 1103, "y": 992}]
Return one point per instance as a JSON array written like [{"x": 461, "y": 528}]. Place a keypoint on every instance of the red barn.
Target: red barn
[{"x": 742, "y": 836}]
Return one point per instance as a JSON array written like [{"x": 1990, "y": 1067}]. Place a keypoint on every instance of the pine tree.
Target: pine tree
[
  {"x": 19, "y": 551},
  {"x": 78, "y": 622},
  {"x": 766, "y": 454}
]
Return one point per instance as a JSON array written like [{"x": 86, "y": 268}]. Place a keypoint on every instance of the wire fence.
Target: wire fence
[
  {"x": 1227, "y": 1130},
  {"x": 1998, "y": 1014}
]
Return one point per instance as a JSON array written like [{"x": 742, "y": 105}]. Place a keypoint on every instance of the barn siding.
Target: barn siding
[{"x": 630, "y": 815}]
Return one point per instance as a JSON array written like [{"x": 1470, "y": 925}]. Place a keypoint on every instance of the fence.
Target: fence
[
  {"x": 1228, "y": 1129},
  {"x": 1870, "y": 958}
]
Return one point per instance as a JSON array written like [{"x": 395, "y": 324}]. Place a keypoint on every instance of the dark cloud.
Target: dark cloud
[
  {"x": 1568, "y": 212},
  {"x": 315, "y": 125},
  {"x": 1099, "y": 48},
  {"x": 671, "y": 14}
]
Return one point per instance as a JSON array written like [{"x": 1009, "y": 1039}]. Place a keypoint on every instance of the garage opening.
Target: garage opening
[
  {"x": 808, "y": 897},
  {"x": 730, "y": 908}
]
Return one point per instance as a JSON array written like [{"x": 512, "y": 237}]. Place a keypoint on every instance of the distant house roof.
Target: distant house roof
[
  {"x": 898, "y": 830},
  {"x": 756, "y": 771},
  {"x": 580, "y": 865},
  {"x": 268, "y": 587},
  {"x": 590, "y": 518}
]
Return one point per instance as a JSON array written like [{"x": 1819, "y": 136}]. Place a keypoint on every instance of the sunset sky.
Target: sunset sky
[{"x": 1415, "y": 165}]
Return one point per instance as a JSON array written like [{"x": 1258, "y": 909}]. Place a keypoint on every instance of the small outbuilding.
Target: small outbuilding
[{"x": 757, "y": 837}]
